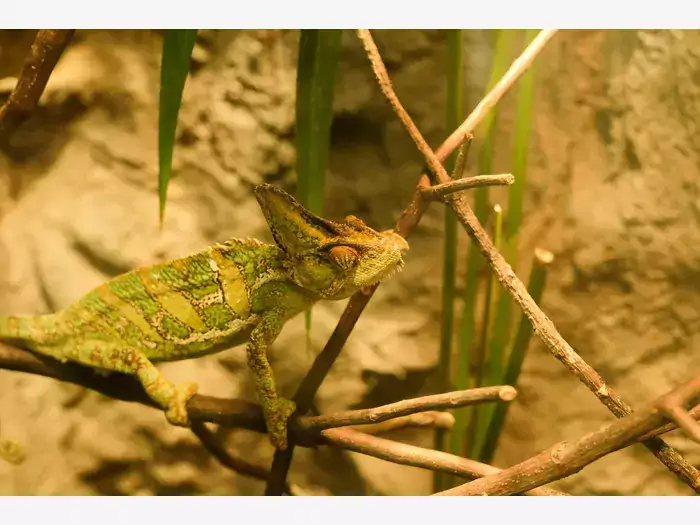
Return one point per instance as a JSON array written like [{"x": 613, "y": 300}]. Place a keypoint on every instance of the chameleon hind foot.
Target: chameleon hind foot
[
  {"x": 176, "y": 411},
  {"x": 277, "y": 414}
]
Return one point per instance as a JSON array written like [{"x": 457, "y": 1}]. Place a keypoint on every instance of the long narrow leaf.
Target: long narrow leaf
[
  {"x": 175, "y": 64},
  {"x": 535, "y": 286},
  {"x": 523, "y": 125},
  {"x": 467, "y": 327},
  {"x": 319, "y": 52},
  {"x": 489, "y": 364},
  {"x": 453, "y": 119}
]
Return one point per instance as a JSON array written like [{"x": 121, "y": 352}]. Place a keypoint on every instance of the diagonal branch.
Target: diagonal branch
[
  {"x": 404, "y": 454},
  {"x": 430, "y": 419},
  {"x": 541, "y": 324},
  {"x": 240, "y": 465},
  {"x": 38, "y": 66},
  {"x": 439, "y": 191},
  {"x": 566, "y": 458},
  {"x": 409, "y": 406}
]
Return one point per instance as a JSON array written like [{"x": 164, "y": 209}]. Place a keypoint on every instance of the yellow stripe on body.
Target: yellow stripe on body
[
  {"x": 173, "y": 302},
  {"x": 129, "y": 312},
  {"x": 232, "y": 284}
]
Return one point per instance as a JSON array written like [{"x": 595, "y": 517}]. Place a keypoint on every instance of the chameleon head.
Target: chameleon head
[{"x": 330, "y": 259}]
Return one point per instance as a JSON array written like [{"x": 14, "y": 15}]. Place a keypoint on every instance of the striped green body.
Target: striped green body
[{"x": 242, "y": 291}]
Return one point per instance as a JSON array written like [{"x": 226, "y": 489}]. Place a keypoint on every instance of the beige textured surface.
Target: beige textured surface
[{"x": 612, "y": 191}]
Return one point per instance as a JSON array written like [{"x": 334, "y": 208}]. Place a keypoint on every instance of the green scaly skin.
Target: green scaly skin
[{"x": 242, "y": 291}]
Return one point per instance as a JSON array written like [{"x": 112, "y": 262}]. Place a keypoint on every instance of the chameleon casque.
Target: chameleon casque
[{"x": 241, "y": 291}]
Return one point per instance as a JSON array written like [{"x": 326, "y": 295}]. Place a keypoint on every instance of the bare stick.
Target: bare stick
[
  {"x": 694, "y": 413},
  {"x": 440, "y": 190},
  {"x": 404, "y": 454},
  {"x": 673, "y": 406},
  {"x": 38, "y": 66},
  {"x": 410, "y": 406},
  {"x": 240, "y": 465},
  {"x": 384, "y": 82},
  {"x": 430, "y": 419},
  {"x": 566, "y": 458},
  {"x": 541, "y": 324},
  {"x": 462, "y": 154},
  {"x": 515, "y": 71}
]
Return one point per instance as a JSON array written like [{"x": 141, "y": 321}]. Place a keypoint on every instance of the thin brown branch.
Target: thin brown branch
[
  {"x": 430, "y": 419},
  {"x": 282, "y": 459},
  {"x": 462, "y": 154},
  {"x": 42, "y": 58},
  {"x": 673, "y": 406},
  {"x": 567, "y": 458},
  {"x": 404, "y": 454},
  {"x": 438, "y": 191},
  {"x": 239, "y": 465},
  {"x": 384, "y": 82},
  {"x": 515, "y": 71},
  {"x": 694, "y": 413},
  {"x": 542, "y": 325},
  {"x": 409, "y": 406}
]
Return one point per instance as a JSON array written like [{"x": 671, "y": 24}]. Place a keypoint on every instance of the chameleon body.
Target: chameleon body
[{"x": 241, "y": 291}]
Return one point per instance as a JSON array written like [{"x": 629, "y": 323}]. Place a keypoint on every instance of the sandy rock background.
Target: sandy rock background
[{"x": 612, "y": 191}]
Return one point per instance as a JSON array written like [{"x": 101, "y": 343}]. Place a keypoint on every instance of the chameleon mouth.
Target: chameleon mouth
[{"x": 388, "y": 273}]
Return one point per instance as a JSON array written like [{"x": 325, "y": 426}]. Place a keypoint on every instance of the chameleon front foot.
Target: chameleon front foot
[
  {"x": 277, "y": 414},
  {"x": 176, "y": 411}
]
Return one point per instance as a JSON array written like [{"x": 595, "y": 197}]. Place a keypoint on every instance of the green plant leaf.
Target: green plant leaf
[
  {"x": 535, "y": 286},
  {"x": 453, "y": 120},
  {"x": 467, "y": 325},
  {"x": 319, "y": 53},
  {"x": 523, "y": 125},
  {"x": 175, "y": 64}
]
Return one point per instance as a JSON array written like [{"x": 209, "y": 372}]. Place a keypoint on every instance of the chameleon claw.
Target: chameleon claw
[
  {"x": 277, "y": 415},
  {"x": 176, "y": 413}
]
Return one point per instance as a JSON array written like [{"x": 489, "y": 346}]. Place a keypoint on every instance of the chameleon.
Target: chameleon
[{"x": 231, "y": 293}]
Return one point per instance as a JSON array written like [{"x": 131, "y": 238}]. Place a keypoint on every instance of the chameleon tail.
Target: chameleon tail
[{"x": 27, "y": 331}]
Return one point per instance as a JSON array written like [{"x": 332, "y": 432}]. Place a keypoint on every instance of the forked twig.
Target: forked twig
[
  {"x": 236, "y": 413},
  {"x": 673, "y": 406},
  {"x": 409, "y": 406},
  {"x": 438, "y": 191},
  {"x": 542, "y": 325},
  {"x": 404, "y": 454},
  {"x": 430, "y": 419},
  {"x": 566, "y": 458},
  {"x": 240, "y": 465},
  {"x": 39, "y": 64}
]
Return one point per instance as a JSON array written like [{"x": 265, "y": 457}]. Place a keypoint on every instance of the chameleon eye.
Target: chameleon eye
[{"x": 344, "y": 256}]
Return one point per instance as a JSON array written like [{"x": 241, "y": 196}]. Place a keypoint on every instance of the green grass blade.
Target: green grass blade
[
  {"x": 453, "y": 120},
  {"x": 487, "y": 361},
  {"x": 535, "y": 286},
  {"x": 319, "y": 53},
  {"x": 523, "y": 125},
  {"x": 467, "y": 326},
  {"x": 175, "y": 65}
]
